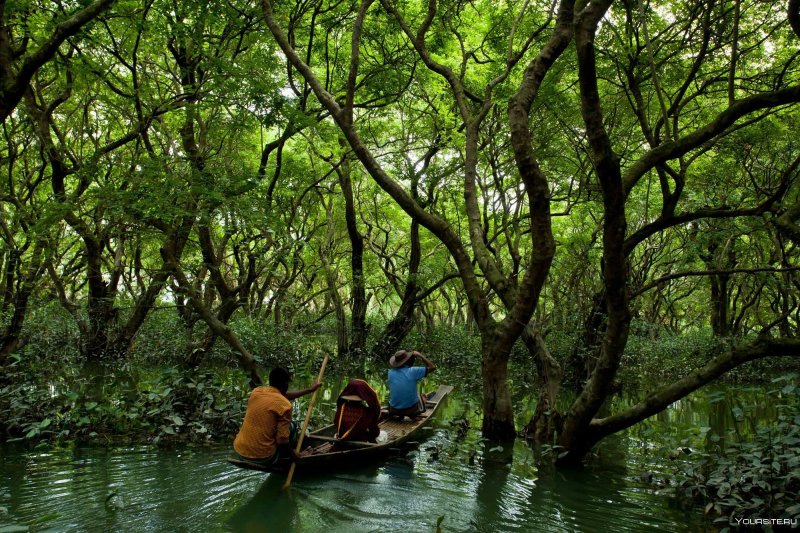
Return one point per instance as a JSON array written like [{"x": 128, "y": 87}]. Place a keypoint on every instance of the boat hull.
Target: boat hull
[{"x": 327, "y": 453}]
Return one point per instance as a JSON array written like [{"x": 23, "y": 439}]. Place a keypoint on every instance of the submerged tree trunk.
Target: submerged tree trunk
[
  {"x": 576, "y": 437},
  {"x": 546, "y": 420},
  {"x": 498, "y": 413}
]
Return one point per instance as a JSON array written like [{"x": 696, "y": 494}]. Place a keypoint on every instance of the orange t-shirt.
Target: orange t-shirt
[{"x": 266, "y": 423}]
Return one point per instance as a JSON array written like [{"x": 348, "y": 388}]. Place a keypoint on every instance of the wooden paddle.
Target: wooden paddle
[{"x": 305, "y": 422}]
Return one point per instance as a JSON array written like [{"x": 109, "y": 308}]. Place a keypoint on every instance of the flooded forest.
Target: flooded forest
[{"x": 585, "y": 213}]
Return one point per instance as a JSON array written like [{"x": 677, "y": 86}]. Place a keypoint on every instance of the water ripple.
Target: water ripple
[{"x": 142, "y": 489}]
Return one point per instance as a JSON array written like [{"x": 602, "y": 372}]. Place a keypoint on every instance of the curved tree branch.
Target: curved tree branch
[
  {"x": 435, "y": 224},
  {"x": 674, "y": 149},
  {"x": 215, "y": 325},
  {"x": 668, "y": 220},
  {"x": 662, "y": 398},
  {"x": 694, "y": 273},
  {"x": 794, "y": 16},
  {"x": 14, "y": 79}
]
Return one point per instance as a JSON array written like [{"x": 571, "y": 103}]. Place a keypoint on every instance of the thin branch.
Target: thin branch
[{"x": 694, "y": 273}]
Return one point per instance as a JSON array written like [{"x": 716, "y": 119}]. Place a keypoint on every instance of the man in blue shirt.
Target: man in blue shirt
[{"x": 403, "y": 378}]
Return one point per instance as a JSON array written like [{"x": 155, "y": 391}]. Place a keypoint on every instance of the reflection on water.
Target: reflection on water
[
  {"x": 145, "y": 490},
  {"x": 450, "y": 474},
  {"x": 270, "y": 509}
]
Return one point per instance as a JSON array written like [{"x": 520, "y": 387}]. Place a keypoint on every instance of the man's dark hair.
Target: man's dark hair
[{"x": 280, "y": 378}]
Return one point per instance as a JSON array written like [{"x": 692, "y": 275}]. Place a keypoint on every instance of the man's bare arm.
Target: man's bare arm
[
  {"x": 429, "y": 366},
  {"x": 292, "y": 394}
]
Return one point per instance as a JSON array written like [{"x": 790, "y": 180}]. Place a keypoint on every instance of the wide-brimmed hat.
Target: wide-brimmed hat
[{"x": 399, "y": 358}]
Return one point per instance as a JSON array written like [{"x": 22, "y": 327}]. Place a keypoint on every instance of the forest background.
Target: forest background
[{"x": 561, "y": 197}]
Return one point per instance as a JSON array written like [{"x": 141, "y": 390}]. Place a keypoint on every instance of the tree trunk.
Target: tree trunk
[
  {"x": 342, "y": 343},
  {"x": 577, "y": 436},
  {"x": 246, "y": 360},
  {"x": 498, "y": 414},
  {"x": 546, "y": 421},
  {"x": 226, "y": 310},
  {"x": 144, "y": 303},
  {"x": 720, "y": 296},
  {"x": 396, "y": 330},
  {"x": 587, "y": 348},
  {"x": 358, "y": 323},
  {"x": 100, "y": 306},
  {"x": 7, "y": 287},
  {"x": 10, "y": 340},
  {"x": 786, "y": 306},
  {"x": 101, "y": 317}
]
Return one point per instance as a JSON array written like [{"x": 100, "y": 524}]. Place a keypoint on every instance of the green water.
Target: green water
[{"x": 450, "y": 473}]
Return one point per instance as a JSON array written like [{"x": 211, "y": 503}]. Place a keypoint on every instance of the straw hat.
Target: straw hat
[{"x": 400, "y": 358}]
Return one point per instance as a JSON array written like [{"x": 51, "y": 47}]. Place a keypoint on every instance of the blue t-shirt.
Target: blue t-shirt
[{"x": 403, "y": 386}]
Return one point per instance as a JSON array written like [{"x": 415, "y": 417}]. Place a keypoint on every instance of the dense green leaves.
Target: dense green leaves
[{"x": 753, "y": 477}]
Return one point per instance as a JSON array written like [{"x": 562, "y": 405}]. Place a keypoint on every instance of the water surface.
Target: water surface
[{"x": 450, "y": 473}]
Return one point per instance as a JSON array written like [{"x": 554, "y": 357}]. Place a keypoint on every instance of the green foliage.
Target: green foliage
[
  {"x": 107, "y": 404},
  {"x": 161, "y": 138},
  {"x": 272, "y": 344},
  {"x": 54, "y": 335},
  {"x": 654, "y": 354},
  {"x": 452, "y": 348},
  {"x": 757, "y": 476},
  {"x": 52, "y": 394}
]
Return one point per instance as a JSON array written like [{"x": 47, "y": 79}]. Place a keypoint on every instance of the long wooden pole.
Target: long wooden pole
[{"x": 305, "y": 422}]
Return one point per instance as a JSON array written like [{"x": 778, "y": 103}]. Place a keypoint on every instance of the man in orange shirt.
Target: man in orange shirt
[{"x": 268, "y": 432}]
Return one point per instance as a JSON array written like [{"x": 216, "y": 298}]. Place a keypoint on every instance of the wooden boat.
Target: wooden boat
[{"x": 327, "y": 452}]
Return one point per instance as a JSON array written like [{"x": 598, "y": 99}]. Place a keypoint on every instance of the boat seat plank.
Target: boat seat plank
[
  {"x": 323, "y": 448},
  {"x": 334, "y": 440}
]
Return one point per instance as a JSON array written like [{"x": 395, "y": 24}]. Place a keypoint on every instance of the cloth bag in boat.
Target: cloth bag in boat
[{"x": 358, "y": 409}]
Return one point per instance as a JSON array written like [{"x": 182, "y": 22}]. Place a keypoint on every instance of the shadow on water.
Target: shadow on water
[
  {"x": 270, "y": 510},
  {"x": 492, "y": 482},
  {"x": 314, "y": 501}
]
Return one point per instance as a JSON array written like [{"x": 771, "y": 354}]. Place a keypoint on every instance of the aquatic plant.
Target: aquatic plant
[{"x": 757, "y": 476}]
